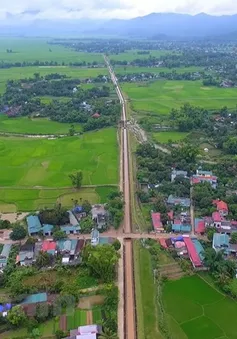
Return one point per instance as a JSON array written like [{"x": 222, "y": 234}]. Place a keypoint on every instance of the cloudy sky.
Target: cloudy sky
[{"x": 28, "y": 9}]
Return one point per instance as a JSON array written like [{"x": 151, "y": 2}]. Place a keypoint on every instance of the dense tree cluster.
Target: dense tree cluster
[{"x": 82, "y": 104}]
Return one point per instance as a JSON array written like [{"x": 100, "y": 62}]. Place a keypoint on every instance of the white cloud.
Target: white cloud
[{"x": 111, "y": 8}]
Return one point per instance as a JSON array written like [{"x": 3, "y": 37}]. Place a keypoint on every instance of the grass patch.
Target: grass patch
[
  {"x": 25, "y": 125},
  {"x": 161, "y": 96},
  {"x": 145, "y": 294},
  {"x": 199, "y": 310},
  {"x": 133, "y": 54},
  {"x": 164, "y": 137},
  {"x": 48, "y": 163}
]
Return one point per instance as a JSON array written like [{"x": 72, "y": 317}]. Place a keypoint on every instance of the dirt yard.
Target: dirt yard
[{"x": 87, "y": 303}]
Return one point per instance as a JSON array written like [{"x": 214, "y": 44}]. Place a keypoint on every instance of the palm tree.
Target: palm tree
[
  {"x": 213, "y": 259},
  {"x": 108, "y": 334}
]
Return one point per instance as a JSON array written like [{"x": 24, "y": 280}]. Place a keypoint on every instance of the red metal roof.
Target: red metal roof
[
  {"x": 220, "y": 205},
  {"x": 157, "y": 224},
  {"x": 48, "y": 246},
  {"x": 216, "y": 217},
  {"x": 192, "y": 252},
  {"x": 200, "y": 227}
]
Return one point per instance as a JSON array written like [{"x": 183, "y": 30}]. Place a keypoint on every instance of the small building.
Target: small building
[
  {"x": 199, "y": 226},
  {"x": 156, "y": 222},
  {"x": 4, "y": 255},
  {"x": 221, "y": 242},
  {"x": 174, "y": 201},
  {"x": 69, "y": 249},
  {"x": 86, "y": 332},
  {"x": 33, "y": 224},
  {"x": 221, "y": 207},
  {"x": 99, "y": 215},
  {"x": 95, "y": 237},
  {"x": 177, "y": 173},
  {"x": 49, "y": 247},
  {"x": 79, "y": 212},
  {"x": 204, "y": 176},
  {"x": 26, "y": 255},
  {"x": 47, "y": 230},
  {"x": 70, "y": 229},
  {"x": 179, "y": 227}
]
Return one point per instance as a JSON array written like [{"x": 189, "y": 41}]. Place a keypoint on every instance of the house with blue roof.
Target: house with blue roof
[
  {"x": 4, "y": 255},
  {"x": 179, "y": 227},
  {"x": 33, "y": 224},
  {"x": 47, "y": 229},
  {"x": 70, "y": 229},
  {"x": 221, "y": 242}
]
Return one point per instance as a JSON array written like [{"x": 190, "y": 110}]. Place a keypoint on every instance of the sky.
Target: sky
[{"x": 101, "y": 9}]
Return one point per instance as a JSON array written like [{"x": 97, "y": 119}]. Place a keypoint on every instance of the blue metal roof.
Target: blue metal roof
[
  {"x": 181, "y": 228},
  {"x": 69, "y": 228},
  {"x": 34, "y": 225},
  {"x": 47, "y": 228},
  {"x": 35, "y": 298}
]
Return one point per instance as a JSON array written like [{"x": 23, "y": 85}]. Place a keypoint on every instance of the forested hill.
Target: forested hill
[{"x": 153, "y": 25}]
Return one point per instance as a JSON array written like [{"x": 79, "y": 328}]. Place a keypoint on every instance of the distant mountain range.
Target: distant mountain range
[{"x": 152, "y": 25}]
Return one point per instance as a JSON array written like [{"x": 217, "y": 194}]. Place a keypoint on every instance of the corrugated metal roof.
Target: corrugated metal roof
[
  {"x": 35, "y": 298},
  {"x": 34, "y": 225}
]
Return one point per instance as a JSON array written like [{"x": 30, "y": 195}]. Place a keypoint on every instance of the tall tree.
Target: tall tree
[
  {"x": 76, "y": 179},
  {"x": 101, "y": 260}
]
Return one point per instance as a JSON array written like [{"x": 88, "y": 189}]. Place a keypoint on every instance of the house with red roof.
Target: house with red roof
[
  {"x": 221, "y": 207},
  {"x": 156, "y": 222},
  {"x": 49, "y": 247}
]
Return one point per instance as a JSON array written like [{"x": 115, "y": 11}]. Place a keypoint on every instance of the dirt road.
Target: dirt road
[{"x": 127, "y": 330}]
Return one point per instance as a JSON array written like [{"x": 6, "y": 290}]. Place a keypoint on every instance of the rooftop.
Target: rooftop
[
  {"x": 33, "y": 223},
  {"x": 35, "y": 298},
  {"x": 48, "y": 246},
  {"x": 157, "y": 224}
]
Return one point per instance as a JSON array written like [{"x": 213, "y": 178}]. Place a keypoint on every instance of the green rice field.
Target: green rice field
[
  {"x": 15, "y": 200},
  {"x": 161, "y": 96},
  {"x": 37, "y": 49},
  {"x": 25, "y": 125},
  {"x": 47, "y": 163},
  {"x": 164, "y": 137},
  {"x": 196, "y": 310}
]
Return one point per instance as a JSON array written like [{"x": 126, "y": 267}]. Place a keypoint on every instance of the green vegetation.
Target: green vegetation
[
  {"x": 156, "y": 70},
  {"x": 199, "y": 310},
  {"x": 134, "y": 54},
  {"x": 32, "y": 49},
  {"x": 25, "y": 125},
  {"x": 145, "y": 294},
  {"x": 17, "y": 73},
  {"x": 165, "y": 137},
  {"x": 161, "y": 96},
  {"x": 49, "y": 162}
]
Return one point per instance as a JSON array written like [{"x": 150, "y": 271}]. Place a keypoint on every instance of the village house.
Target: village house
[
  {"x": 177, "y": 173},
  {"x": 49, "y": 247},
  {"x": 222, "y": 242},
  {"x": 156, "y": 222},
  {"x": 70, "y": 229},
  {"x": 86, "y": 332},
  {"x": 78, "y": 212},
  {"x": 70, "y": 250},
  {"x": 221, "y": 207},
  {"x": 181, "y": 226},
  {"x": 173, "y": 201},
  {"x": 35, "y": 228},
  {"x": 26, "y": 255},
  {"x": 204, "y": 176},
  {"x": 29, "y": 304},
  {"x": 99, "y": 216},
  {"x": 4, "y": 255}
]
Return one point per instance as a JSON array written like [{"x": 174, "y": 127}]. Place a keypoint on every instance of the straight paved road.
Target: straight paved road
[{"x": 129, "y": 325}]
